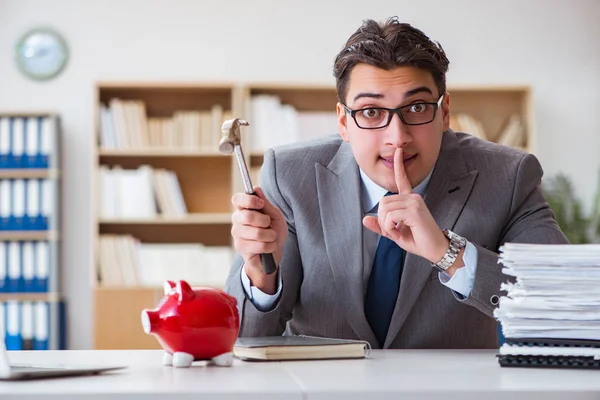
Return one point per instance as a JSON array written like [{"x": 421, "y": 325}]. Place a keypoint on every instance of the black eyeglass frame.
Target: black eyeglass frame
[{"x": 393, "y": 111}]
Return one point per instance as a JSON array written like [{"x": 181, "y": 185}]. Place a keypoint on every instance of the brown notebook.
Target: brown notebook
[{"x": 280, "y": 348}]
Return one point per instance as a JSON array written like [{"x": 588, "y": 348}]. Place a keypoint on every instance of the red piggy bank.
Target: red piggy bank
[{"x": 194, "y": 324}]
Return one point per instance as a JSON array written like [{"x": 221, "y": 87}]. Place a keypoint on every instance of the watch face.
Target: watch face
[{"x": 41, "y": 54}]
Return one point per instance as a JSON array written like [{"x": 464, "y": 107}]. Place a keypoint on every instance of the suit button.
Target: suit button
[{"x": 494, "y": 300}]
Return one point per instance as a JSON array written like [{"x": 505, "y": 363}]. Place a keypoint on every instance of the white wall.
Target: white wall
[{"x": 552, "y": 45}]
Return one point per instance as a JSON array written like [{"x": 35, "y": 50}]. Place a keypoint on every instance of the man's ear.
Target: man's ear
[
  {"x": 342, "y": 122},
  {"x": 446, "y": 111}
]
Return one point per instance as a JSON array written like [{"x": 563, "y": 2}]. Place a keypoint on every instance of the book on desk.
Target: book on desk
[{"x": 280, "y": 348}]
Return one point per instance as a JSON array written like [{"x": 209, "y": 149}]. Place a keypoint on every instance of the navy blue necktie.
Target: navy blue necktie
[{"x": 384, "y": 283}]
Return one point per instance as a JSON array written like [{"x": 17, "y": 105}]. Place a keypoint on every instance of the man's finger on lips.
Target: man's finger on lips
[{"x": 402, "y": 181}]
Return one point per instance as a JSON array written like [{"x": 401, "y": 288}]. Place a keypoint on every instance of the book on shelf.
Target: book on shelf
[
  {"x": 467, "y": 123},
  {"x": 139, "y": 193},
  {"x": 513, "y": 134},
  {"x": 280, "y": 348},
  {"x": 124, "y": 261},
  {"x": 124, "y": 124},
  {"x": 28, "y": 142},
  {"x": 273, "y": 123},
  {"x": 26, "y": 204},
  {"x": 24, "y": 266},
  {"x": 28, "y": 325}
]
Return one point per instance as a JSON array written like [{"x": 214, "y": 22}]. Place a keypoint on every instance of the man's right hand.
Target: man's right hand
[{"x": 258, "y": 227}]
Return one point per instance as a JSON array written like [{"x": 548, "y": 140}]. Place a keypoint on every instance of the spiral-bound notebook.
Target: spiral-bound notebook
[
  {"x": 550, "y": 353},
  {"x": 279, "y": 348}
]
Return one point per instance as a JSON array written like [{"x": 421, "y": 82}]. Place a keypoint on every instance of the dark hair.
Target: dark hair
[{"x": 389, "y": 45}]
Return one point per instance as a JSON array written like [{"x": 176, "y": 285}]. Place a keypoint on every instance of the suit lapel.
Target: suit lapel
[
  {"x": 445, "y": 196},
  {"x": 338, "y": 187}
]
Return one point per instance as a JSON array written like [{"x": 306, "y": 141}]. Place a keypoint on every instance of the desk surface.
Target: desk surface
[{"x": 386, "y": 374}]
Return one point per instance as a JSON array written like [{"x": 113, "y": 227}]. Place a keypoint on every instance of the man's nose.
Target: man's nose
[{"x": 397, "y": 134}]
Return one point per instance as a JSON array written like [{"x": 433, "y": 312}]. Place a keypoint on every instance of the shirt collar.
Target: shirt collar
[{"x": 371, "y": 193}]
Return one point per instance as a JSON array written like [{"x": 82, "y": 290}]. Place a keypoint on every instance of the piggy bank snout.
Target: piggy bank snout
[{"x": 150, "y": 320}]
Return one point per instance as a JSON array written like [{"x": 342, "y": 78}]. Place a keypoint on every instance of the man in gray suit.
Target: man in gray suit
[{"x": 390, "y": 232}]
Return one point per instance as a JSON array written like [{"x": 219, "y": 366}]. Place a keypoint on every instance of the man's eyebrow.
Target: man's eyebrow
[
  {"x": 368, "y": 95},
  {"x": 420, "y": 89},
  {"x": 410, "y": 93}
]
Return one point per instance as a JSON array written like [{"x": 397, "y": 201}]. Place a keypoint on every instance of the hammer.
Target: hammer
[{"x": 231, "y": 143}]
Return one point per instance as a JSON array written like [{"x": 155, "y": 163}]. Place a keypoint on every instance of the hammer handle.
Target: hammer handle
[
  {"x": 267, "y": 260},
  {"x": 268, "y": 263}
]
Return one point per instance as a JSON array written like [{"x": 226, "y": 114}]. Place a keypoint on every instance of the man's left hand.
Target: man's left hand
[{"x": 405, "y": 219}]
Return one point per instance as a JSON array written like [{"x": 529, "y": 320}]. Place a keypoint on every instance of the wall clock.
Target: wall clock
[{"x": 41, "y": 53}]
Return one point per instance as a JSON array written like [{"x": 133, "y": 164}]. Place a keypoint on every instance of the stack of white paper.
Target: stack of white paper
[{"x": 556, "y": 293}]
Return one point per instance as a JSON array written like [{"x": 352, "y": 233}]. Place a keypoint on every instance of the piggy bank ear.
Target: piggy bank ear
[
  {"x": 184, "y": 291},
  {"x": 168, "y": 286}
]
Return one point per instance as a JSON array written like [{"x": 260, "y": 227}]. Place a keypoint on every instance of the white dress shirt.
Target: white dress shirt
[{"x": 460, "y": 283}]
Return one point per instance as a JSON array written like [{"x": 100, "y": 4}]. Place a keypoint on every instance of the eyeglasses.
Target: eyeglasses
[{"x": 379, "y": 117}]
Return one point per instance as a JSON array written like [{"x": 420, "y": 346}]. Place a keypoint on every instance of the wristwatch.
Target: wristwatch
[{"x": 457, "y": 242}]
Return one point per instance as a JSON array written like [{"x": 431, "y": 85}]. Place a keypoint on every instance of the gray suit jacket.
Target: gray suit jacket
[{"x": 487, "y": 193}]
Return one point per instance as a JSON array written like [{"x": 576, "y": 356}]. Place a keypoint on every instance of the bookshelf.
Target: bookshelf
[
  {"x": 207, "y": 179},
  {"x": 32, "y": 310}
]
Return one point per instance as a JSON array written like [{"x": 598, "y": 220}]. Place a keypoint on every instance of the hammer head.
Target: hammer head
[{"x": 231, "y": 135}]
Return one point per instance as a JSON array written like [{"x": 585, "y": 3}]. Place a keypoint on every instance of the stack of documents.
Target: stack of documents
[{"x": 551, "y": 313}]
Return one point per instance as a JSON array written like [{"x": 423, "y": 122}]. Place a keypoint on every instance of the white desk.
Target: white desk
[{"x": 390, "y": 374}]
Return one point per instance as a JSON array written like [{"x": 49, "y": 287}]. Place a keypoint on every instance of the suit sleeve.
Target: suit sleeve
[
  {"x": 530, "y": 220},
  {"x": 254, "y": 322}
]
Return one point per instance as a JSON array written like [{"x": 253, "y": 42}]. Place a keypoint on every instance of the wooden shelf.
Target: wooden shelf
[
  {"x": 256, "y": 159},
  {"x": 218, "y": 234},
  {"x": 28, "y": 173},
  {"x": 190, "y": 219},
  {"x": 154, "y": 152},
  {"x": 50, "y": 297},
  {"x": 28, "y": 235},
  {"x": 162, "y": 100}
]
